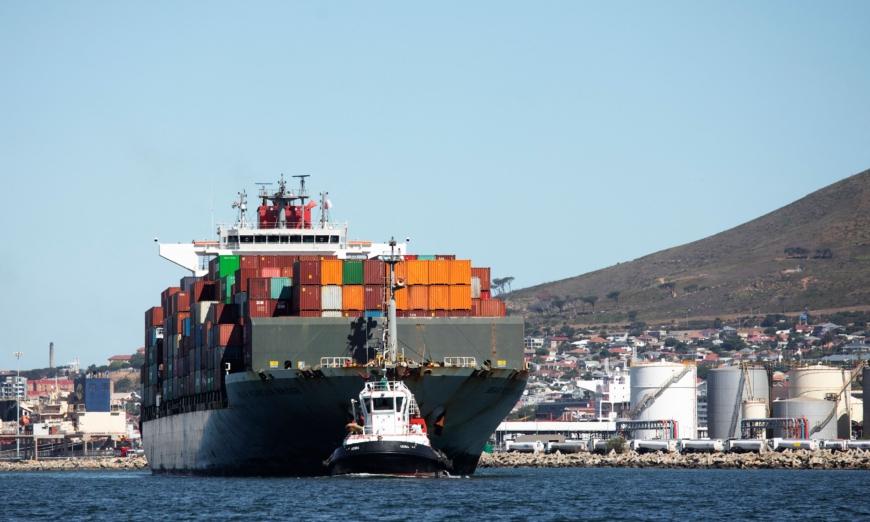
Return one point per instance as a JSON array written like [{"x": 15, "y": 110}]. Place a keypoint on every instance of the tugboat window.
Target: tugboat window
[{"x": 384, "y": 404}]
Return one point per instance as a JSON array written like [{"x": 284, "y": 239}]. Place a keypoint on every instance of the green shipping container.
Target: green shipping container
[
  {"x": 227, "y": 265},
  {"x": 352, "y": 272},
  {"x": 227, "y": 284},
  {"x": 426, "y": 258},
  {"x": 281, "y": 287}
]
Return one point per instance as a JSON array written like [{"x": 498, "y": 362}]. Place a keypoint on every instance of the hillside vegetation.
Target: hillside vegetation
[{"x": 813, "y": 253}]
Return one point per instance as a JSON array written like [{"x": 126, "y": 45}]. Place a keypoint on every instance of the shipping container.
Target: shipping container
[
  {"x": 375, "y": 297},
  {"x": 460, "y": 297},
  {"x": 439, "y": 272},
  {"x": 287, "y": 271},
  {"x": 226, "y": 335},
  {"x": 274, "y": 271},
  {"x": 330, "y": 297},
  {"x": 374, "y": 272},
  {"x": 352, "y": 272},
  {"x": 306, "y": 297},
  {"x": 351, "y": 313},
  {"x": 488, "y": 308},
  {"x": 352, "y": 297},
  {"x": 449, "y": 257},
  {"x": 262, "y": 307},
  {"x": 331, "y": 272},
  {"x": 225, "y": 313},
  {"x": 309, "y": 313},
  {"x": 417, "y": 272},
  {"x": 330, "y": 313},
  {"x": 418, "y": 298},
  {"x": 475, "y": 287},
  {"x": 439, "y": 297},
  {"x": 460, "y": 271},
  {"x": 249, "y": 262},
  {"x": 401, "y": 296},
  {"x": 281, "y": 288},
  {"x": 373, "y": 314},
  {"x": 426, "y": 257},
  {"x": 166, "y": 297},
  {"x": 401, "y": 271},
  {"x": 483, "y": 275},
  {"x": 244, "y": 276},
  {"x": 98, "y": 394},
  {"x": 267, "y": 262},
  {"x": 227, "y": 265},
  {"x": 154, "y": 316},
  {"x": 203, "y": 290},
  {"x": 306, "y": 272},
  {"x": 259, "y": 288}
]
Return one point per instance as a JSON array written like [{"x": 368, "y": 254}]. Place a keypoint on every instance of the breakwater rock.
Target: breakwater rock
[
  {"x": 793, "y": 459},
  {"x": 77, "y": 464}
]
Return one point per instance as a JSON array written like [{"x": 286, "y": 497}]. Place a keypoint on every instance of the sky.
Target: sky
[{"x": 544, "y": 139}]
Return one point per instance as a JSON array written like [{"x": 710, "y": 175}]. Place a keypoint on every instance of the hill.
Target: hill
[{"x": 812, "y": 253}]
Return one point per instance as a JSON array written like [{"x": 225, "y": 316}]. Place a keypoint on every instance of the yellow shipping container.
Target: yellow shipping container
[
  {"x": 460, "y": 297},
  {"x": 439, "y": 272},
  {"x": 330, "y": 272},
  {"x": 353, "y": 297},
  {"x": 418, "y": 297},
  {"x": 417, "y": 272},
  {"x": 460, "y": 273},
  {"x": 402, "y": 299},
  {"x": 439, "y": 297}
]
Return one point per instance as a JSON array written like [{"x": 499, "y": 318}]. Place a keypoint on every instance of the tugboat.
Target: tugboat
[{"x": 392, "y": 439}]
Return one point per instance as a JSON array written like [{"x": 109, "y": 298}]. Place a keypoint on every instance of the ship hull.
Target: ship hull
[
  {"x": 289, "y": 422},
  {"x": 387, "y": 458}
]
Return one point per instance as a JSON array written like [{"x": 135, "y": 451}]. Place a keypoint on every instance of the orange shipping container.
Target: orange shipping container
[
  {"x": 460, "y": 297},
  {"x": 330, "y": 272},
  {"x": 353, "y": 297},
  {"x": 418, "y": 298},
  {"x": 439, "y": 297},
  {"x": 402, "y": 299},
  {"x": 401, "y": 271},
  {"x": 439, "y": 272},
  {"x": 417, "y": 272},
  {"x": 460, "y": 272}
]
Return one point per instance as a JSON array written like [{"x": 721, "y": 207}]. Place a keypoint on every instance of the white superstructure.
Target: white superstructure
[
  {"x": 283, "y": 226},
  {"x": 389, "y": 413}
]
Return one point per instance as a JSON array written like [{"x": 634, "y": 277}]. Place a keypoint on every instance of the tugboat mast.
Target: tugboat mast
[{"x": 392, "y": 345}]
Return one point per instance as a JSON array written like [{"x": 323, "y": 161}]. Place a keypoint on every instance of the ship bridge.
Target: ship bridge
[{"x": 284, "y": 227}]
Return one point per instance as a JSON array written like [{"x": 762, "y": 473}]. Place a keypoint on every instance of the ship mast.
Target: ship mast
[{"x": 392, "y": 345}]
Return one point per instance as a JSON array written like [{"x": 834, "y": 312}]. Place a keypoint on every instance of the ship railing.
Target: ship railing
[
  {"x": 336, "y": 362},
  {"x": 460, "y": 362}
]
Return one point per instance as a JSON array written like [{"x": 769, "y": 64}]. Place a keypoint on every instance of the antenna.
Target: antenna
[
  {"x": 242, "y": 205},
  {"x": 324, "y": 209},
  {"x": 302, "y": 193},
  {"x": 392, "y": 331}
]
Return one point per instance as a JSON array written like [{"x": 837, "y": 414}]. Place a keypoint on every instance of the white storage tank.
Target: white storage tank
[
  {"x": 815, "y": 411},
  {"x": 824, "y": 382},
  {"x": 725, "y": 398},
  {"x": 677, "y": 401},
  {"x": 866, "y": 385}
]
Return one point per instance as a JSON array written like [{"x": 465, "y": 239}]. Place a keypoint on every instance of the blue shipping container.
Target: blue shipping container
[
  {"x": 373, "y": 313},
  {"x": 98, "y": 394}
]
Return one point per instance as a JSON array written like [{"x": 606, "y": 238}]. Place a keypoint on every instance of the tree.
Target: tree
[
  {"x": 124, "y": 385},
  {"x": 590, "y": 300},
  {"x": 502, "y": 284},
  {"x": 614, "y": 296}
]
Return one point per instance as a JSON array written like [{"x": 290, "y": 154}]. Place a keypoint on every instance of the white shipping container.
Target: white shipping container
[
  {"x": 475, "y": 287},
  {"x": 330, "y": 313},
  {"x": 330, "y": 297},
  {"x": 200, "y": 311}
]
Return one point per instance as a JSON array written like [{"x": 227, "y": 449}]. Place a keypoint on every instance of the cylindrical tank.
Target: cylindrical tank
[
  {"x": 678, "y": 402},
  {"x": 724, "y": 398},
  {"x": 754, "y": 409},
  {"x": 823, "y": 382},
  {"x": 815, "y": 411}
]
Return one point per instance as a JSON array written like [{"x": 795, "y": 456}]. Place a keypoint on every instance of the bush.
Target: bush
[{"x": 616, "y": 444}]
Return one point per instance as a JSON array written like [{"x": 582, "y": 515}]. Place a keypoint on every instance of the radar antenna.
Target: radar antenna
[
  {"x": 242, "y": 205},
  {"x": 303, "y": 195}
]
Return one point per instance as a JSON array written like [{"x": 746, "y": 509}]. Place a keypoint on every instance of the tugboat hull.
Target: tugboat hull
[{"x": 396, "y": 458}]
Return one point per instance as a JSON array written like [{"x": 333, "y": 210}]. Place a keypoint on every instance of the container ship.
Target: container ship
[{"x": 253, "y": 359}]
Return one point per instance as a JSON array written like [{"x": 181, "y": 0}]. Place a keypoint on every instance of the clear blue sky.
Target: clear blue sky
[{"x": 546, "y": 139}]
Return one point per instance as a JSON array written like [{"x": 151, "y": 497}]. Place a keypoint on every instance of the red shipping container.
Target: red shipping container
[
  {"x": 287, "y": 271},
  {"x": 410, "y": 257},
  {"x": 449, "y": 257},
  {"x": 166, "y": 295},
  {"x": 227, "y": 334},
  {"x": 269, "y": 262},
  {"x": 489, "y": 308},
  {"x": 416, "y": 313},
  {"x": 204, "y": 290},
  {"x": 261, "y": 307},
  {"x": 259, "y": 288},
  {"x": 270, "y": 272},
  {"x": 225, "y": 313},
  {"x": 154, "y": 317},
  {"x": 178, "y": 322},
  {"x": 438, "y": 313},
  {"x": 485, "y": 294},
  {"x": 306, "y": 272},
  {"x": 242, "y": 276},
  {"x": 249, "y": 262},
  {"x": 374, "y": 297},
  {"x": 180, "y": 302},
  {"x": 460, "y": 313},
  {"x": 287, "y": 262},
  {"x": 306, "y": 297},
  {"x": 483, "y": 275},
  {"x": 374, "y": 272},
  {"x": 309, "y": 313}
]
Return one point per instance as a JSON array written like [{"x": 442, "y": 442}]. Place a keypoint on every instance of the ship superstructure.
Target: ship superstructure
[{"x": 252, "y": 361}]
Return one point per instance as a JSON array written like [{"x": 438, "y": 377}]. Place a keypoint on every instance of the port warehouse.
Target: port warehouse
[
  {"x": 201, "y": 329},
  {"x": 816, "y": 410}
]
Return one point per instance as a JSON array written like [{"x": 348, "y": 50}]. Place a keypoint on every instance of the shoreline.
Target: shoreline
[
  {"x": 788, "y": 459},
  {"x": 78, "y": 464}
]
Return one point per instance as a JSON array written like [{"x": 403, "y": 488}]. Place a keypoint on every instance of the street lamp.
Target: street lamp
[{"x": 18, "y": 407}]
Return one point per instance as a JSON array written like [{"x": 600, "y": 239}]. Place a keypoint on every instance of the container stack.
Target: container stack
[{"x": 199, "y": 328}]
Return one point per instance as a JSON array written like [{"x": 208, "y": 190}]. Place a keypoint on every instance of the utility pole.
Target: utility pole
[{"x": 18, "y": 407}]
